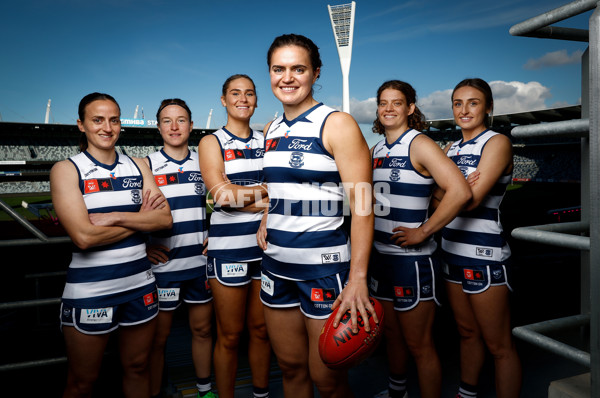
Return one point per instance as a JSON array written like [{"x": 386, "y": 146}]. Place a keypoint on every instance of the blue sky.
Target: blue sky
[{"x": 143, "y": 51}]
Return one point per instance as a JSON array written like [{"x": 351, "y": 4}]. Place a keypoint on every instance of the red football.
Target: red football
[{"x": 340, "y": 348}]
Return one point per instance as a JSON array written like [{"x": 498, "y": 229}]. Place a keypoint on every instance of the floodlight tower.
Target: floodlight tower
[{"x": 342, "y": 23}]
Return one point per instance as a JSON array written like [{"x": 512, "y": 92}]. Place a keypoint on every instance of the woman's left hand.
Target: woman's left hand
[
  {"x": 354, "y": 297},
  {"x": 404, "y": 236}
]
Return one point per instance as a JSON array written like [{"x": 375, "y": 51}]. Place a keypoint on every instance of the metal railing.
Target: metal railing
[
  {"x": 40, "y": 239},
  {"x": 572, "y": 235}
]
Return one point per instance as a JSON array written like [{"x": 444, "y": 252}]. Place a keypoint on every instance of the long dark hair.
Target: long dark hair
[
  {"x": 300, "y": 41},
  {"x": 85, "y": 101},
  {"x": 416, "y": 120},
  {"x": 486, "y": 90}
]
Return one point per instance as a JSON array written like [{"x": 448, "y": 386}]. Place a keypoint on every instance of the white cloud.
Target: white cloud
[
  {"x": 436, "y": 105},
  {"x": 555, "y": 58},
  {"x": 512, "y": 97},
  {"x": 363, "y": 111},
  {"x": 509, "y": 97}
]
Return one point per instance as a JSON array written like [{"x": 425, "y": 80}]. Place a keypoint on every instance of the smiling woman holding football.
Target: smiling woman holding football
[
  {"x": 406, "y": 166},
  {"x": 476, "y": 255},
  {"x": 308, "y": 266},
  {"x": 105, "y": 200},
  {"x": 231, "y": 164}
]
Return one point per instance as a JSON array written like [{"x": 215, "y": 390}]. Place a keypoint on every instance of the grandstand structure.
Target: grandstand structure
[
  {"x": 29, "y": 150},
  {"x": 539, "y": 159}
]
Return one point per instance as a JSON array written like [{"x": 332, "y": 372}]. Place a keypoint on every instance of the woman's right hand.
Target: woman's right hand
[
  {"x": 261, "y": 234},
  {"x": 157, "y": 253}
]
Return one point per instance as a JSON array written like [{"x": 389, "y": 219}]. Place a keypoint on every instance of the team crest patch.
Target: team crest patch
[
  {"x": 297, "y": 160},
  {"x": 497, "y": 274},
  {"x": 96, "y": 315},
  {"x": 395, "y": 175},
  {"x": 136, "y": 196},
  {"x": 329, "y": 258},
  {"x": 426, "y": 289},
  {"x": 200, "y": 188}
]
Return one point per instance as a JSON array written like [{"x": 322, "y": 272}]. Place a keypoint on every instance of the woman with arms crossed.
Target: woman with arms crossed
[
  {"x": 406, "y": 166},
  {"x": 307, "y": 268},
  {"x": 231, "y": 164},
  {"x": 476, "y": 255},
  {"x": 179, "y": 264},
  {"x": 104, "y": 200}
]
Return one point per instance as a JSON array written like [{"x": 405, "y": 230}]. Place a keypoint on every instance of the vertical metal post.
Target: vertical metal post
[
  {"x": 594, "y": 90},
  {"x": 585, "y": 305}
]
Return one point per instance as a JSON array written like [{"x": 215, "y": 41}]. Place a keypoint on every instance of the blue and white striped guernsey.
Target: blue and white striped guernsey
[
  {"x": 475, "y": 237},
  {"x": 112, "y": 274},
  {"x": 401, "y": 195},
  {"x": 305, "y": 239},
  {"x": 232, "y": 235},
  {"x": 181, "y": 183}
]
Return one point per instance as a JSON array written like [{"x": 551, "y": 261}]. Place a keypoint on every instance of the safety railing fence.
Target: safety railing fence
[
  {"x": 584, "y": 235},
  {"x": 39, "y": 239}
]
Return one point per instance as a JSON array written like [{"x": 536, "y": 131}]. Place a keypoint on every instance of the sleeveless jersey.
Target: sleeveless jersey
[
  {"x": 110, "y": 274},
  {"x": 304, "y": 226},
  {"x": 401, "y": 195},
  {"x": 232, "y": 235},
  {"x": 181, "y": 183},
  {"x": 475, "y": 237}
]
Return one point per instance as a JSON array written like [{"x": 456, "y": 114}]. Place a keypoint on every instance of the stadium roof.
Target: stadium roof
[{"x": 520, "y": 118}]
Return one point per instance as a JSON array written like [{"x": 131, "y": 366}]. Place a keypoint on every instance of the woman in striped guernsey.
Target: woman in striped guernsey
[
  {"x": 231, "y": 163},
  {"x": 475, "y": 253},
  {"x": 308, "y": 266},
  {"x": 406, "y": 166},
  {"x": 179, "y": 264},
  {"x": 105, "y": 200}
]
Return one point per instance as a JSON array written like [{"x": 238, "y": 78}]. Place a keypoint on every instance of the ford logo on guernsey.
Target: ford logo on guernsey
[{"x": 297, "y": 160}]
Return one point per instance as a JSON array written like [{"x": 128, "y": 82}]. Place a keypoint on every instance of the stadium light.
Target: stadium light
[{"x": 342, "y": 23}]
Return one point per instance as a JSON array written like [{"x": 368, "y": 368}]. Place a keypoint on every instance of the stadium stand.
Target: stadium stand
[{"x": 28, "y": 151}]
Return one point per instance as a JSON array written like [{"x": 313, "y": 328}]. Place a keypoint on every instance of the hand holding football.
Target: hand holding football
[{"x": 340, "y": 348}]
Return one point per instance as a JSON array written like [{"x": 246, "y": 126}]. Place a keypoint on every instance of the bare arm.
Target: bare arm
[
  {"x": 428, "y": 158},
  {"x": 344, "y": 140},
  {"x": 222, "y": 190},
  {"x": 496, "y": 161},
  {"x": 72, "y": 212}
]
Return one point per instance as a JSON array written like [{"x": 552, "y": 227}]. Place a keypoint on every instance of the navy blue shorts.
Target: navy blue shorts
[
  {"x": 314, "y": 297},
  {"x": 477, "y": 279},
  {"x": 105, "y": 320},
  {"x": 193, "y": 291},
  {"x": 405, "y": 280},
  {"x": 231, "y": 273}
]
